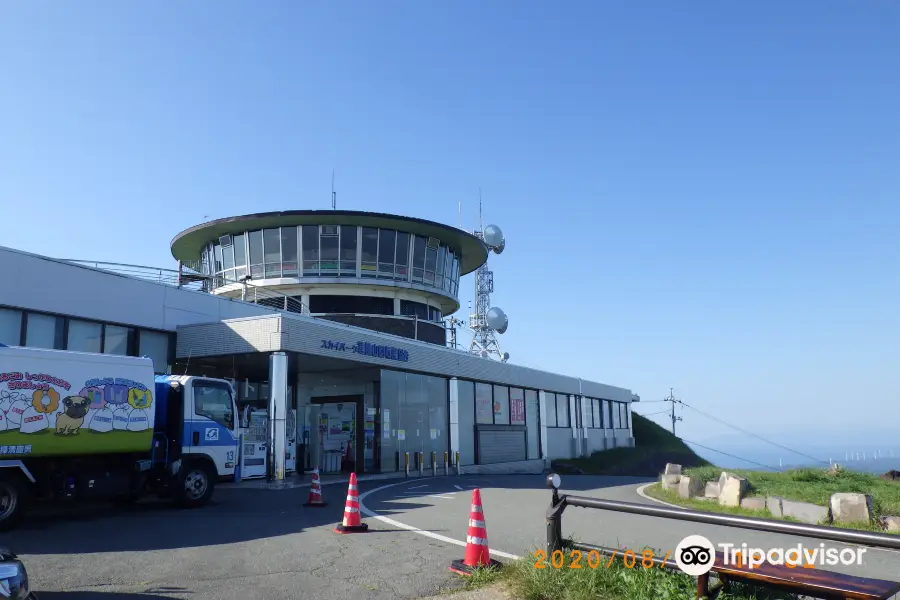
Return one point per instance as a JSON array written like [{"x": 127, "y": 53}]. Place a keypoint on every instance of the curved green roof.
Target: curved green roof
[{"x": 189, "y": 244}]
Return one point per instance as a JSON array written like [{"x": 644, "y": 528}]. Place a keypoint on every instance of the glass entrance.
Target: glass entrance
[{"x": 338, "y": 437}]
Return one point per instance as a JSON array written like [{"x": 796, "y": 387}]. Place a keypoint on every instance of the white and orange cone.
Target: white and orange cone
[
  {"x": 352, "y": 522},
  {"x": 315, "y": 491},
  {"x": 478, "y": 552}
]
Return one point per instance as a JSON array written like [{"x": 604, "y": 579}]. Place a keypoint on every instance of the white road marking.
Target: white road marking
[
  {"x": 445, "y": 497},
  {"x": 457, "y": 487},
  {"x": 435, "y": 536},
  {"x": 643, "y": 494},
  {"x": 417, "y": 487}
]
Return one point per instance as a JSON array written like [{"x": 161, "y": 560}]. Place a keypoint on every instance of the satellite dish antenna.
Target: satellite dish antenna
[
  {"x": 494, "y": 239},
  {"x": 497, "y": 319}
]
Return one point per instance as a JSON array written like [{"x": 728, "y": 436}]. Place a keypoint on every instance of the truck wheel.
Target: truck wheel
[
  {"x": 194, "y": 485},
  {"x": 13, "y": 500}
]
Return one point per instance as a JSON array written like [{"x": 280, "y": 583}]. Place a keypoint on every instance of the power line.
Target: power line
[
  {"x": 708, "y": 416},
  {"x": 730, "y": 455},
  {"x": 653, "y": 413}
]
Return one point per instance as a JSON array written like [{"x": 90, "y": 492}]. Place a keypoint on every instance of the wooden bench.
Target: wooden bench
[{"x": 800, "y": 580}]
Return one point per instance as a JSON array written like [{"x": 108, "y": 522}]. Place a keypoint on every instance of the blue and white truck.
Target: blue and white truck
[{"x": 78, "y": 426}]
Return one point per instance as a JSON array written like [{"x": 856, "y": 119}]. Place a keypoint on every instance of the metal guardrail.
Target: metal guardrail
[{"x": 559, "y": 503}]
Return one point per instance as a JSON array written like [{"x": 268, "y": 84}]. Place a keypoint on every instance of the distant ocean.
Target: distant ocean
[{"x": 876, "y": 466}]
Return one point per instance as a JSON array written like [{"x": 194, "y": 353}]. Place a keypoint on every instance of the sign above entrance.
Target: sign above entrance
[{"x": 368, "y": 349}]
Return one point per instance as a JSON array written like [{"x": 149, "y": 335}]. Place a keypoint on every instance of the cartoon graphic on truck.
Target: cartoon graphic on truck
[{"x": 76, "y": 425}]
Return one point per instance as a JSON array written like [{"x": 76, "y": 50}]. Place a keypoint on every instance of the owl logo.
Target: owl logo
[{"x": 139, "y": 399}]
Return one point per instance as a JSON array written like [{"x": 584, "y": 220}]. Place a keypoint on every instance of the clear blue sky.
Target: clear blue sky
[{"x": 700, "y": 195}]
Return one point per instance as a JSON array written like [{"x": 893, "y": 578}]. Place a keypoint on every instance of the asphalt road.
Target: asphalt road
[
  {"x": 247, "y": 544},
  {"x": 514, "y": 509}
]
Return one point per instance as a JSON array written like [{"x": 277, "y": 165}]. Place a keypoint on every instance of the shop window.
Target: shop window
[
  {"x": 550, "y": 406},
  {"x": 484, "y": 404},
  {"x": 10, "y": 327},
  {"x": 501, "y": 405},
  {"x": 348, "y": 250},
  {"x": 387, "y": 238},
  {"x": 329, "y": 248},
  {"x": 310, "y": 244},
  {"x": 516, "y": 406},
  {"x": 84, "y": 336},
  {"x": 418, "y": 259},
  {"x": 369, "y": 256},
  {"x": 289, "y": 265},
  {"x": 562, "y": 411},
  {"x": 116, "y": 340},
  {"x": 212, "y": 399},
  {"x": 401, "y": 270},
  {"x": 155, "y": 346},
  {"x": 256, "y": 254}
]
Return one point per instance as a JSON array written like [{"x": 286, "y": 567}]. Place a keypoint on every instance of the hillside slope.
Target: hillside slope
[{"x": 654, "y": 447}]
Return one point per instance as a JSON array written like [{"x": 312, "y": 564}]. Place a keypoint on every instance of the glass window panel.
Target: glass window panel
[
  {"x": 430, "y": 262},
  {"x": 44, "y": 331},
  {"x": 115, "y": 339},
  {"x": 484, "y": 404},
  {"x": 418, "y": 262},
  {"x": 10, "y": 327},
  {"x": 218, "y": 257},
  {"x": 562, "y": 411},
  {"x": 329, "y": 246},
  {"x": 348, "y": 250},
  {"x": 596, "y": 418},
  {"x": 155, "y": 346},
  {"x": 387, "y": 239},
  {"x": 439, "y": 265},
  {"x": 369, "y": 261},
  {"x": 272, "y": 245},
  {"x": 289, "y": 263},
  {"x": 256, "y": 254},
  {"x": 402, "y": 269},
  {"x": 310, "y": 241},
  {"x": 212, "y": 399},
  {"x": 532, "y": 418},
  {"x": 501, "y": 405},
  {"x": 550, "y": 408},
  {"x": 84, "y": 336},
  {"x": 240, "y": 252},
  {"x": 228, "y": 257}
]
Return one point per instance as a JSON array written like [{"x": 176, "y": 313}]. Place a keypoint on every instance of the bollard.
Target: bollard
[
  {"x": 446, "y": 466},
  {"x": 433, "y": 463},
  {"x": 406, "y": 460},
  {"x": 421, "y": 464},
  {"x": 458, "y": 467}
]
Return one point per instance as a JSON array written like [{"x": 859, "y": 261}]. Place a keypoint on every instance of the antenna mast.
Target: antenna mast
[
  {"x": 484, "y": 339},
  {"x": 333, "y": 193}
]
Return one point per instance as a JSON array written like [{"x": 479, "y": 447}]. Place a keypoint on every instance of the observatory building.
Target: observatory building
[{"x": 339, "y": 320}]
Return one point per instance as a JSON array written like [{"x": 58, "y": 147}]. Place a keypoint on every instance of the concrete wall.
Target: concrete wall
[{"x": 48, "y": 285}]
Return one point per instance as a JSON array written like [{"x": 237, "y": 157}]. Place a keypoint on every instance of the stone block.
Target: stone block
[
  {"x": 891, "y": 524},
  {"x": 753, "y": 503},
  {"x": 805, "y": 512},
  {"x": 672, "y": 469},
  {"x": 712, "y": 489},
  {"x": 732, "y": 490},
  {"x": 690, "y": 487},
  {"x": 669, "y": 482},
  {"x": 851, "y": 508},
  {"x": 773, "y": 505}
]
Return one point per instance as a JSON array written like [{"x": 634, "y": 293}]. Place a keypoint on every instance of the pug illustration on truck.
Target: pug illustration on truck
[{"x": 70, "y": 421}]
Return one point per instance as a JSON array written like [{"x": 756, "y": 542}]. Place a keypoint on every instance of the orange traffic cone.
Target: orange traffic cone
[
  {"x": 351, "y": 523},
  {"x": 478, "y": 554},
  {"x": 315, "y": 491}
]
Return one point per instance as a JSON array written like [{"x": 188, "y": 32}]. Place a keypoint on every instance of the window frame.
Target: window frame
[{"x": 213, "y": 384}]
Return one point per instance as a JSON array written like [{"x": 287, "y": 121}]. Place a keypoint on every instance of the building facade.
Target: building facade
[{"x": 355, "y": 394}]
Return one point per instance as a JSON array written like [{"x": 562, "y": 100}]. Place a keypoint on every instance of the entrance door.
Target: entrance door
[{"x": 340, "y": 429}]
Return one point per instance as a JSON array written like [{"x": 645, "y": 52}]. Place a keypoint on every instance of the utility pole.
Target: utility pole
[{"x": 672, "y": 399}]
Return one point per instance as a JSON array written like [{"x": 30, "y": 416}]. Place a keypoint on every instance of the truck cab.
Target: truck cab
[{"x": 196, "y": 436}]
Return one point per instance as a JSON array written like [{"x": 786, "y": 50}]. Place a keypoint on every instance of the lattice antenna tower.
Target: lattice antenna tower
[{"x": 487, "y": 321}]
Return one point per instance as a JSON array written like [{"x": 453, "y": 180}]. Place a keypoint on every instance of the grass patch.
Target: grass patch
[
  {"x": 654, "y": 447},
  {"x": 605, "y": 582},
  {"x": 805, "y": 485}
]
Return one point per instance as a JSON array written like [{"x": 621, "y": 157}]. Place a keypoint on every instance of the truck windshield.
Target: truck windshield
[{"x": 213, "y": 400}]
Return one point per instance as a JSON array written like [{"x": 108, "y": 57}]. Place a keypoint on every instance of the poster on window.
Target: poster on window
[
  {"x": 484, "y": 400},
  {"x": 516, "y": 406}
]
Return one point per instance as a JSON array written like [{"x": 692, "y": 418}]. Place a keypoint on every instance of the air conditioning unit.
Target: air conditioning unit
[
  {"x": 433, "y": 243},
  {"x": 225, "y": 241},
  {"x": 329, "y": 229}
]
